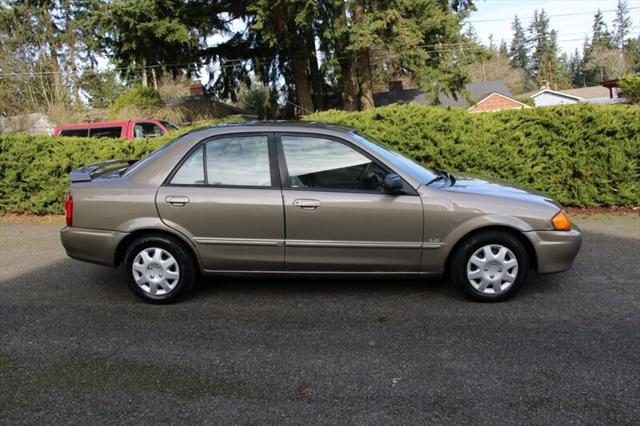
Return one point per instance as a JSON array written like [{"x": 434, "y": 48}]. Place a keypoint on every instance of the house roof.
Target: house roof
[
  {"x": 592, "y": 92},
  {"x": 556, "y": 93},
  {"x": 477, "y": 91}
]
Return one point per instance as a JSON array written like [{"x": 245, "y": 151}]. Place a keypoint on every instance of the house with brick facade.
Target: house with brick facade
[
  {"x": 496, "y": 102},
  {"x": 476, "y": 97}
]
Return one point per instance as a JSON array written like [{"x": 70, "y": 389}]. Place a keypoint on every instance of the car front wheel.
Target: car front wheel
[
  {"x": 490, "y": 266},
  {"x": 159, "y": 268}
]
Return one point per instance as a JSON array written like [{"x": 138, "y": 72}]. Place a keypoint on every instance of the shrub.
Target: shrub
[
  {"x": 140, "y": 97},
  {"x": 630, "y": 87},
  {"x": 169, "y": 113},
  {"x": 258, "y": 99},
  {"x": 582, "y": 155},
  {"x": 527, "y": 100}
]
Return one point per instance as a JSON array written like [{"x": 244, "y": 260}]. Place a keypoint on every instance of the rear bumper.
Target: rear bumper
[
  {"x": 91, "y": 245},
  {"x": 555, "y": 250}
]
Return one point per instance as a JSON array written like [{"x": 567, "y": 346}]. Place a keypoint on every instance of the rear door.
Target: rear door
[
  {"x": 338, "y": 218},
  {"x": 225, "y": 195}
]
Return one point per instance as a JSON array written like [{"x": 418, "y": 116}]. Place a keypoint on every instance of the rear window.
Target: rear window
[
  {"x": 105, "y": 132},
  {"x": 75, "y": 132}
]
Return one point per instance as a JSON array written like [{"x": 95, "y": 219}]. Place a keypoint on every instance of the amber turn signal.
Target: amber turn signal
[{"x": 561, "y": 222}]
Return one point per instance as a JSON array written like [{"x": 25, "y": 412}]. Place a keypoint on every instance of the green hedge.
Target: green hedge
[
  {"x": 34, "y": 169},
  {"x": 582, "y": 155}
]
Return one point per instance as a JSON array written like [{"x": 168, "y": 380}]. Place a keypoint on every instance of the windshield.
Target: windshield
[
  {"x": 410, "y": 167},
  {"x": 169, "y": 125}
]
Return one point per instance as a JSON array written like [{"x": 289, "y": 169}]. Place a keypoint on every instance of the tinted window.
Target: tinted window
[
  {"x": 147, "y": 130},
  {"x": 237, "y": 161},
  {"x": 192, "y": 171},
  {"x": 74, "y": 132},
  {"x": 321, "y": 163},
  {"x": 105, "y": 132}
]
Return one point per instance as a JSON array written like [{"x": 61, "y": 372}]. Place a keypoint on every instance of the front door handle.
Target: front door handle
[
  {"x": 307, "y": 204},
  {"x": 177, "y": 200}
]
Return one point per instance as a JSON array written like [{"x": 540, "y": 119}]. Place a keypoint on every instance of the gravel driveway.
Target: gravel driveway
[{"x": 77, "y": 347}]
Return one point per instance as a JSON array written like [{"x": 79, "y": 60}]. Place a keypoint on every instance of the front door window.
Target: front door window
[
  {"x": 147, "y": 130},
  {"x": 320, "y": 163}
]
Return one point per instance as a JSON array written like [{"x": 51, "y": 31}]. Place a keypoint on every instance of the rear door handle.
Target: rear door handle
[
  {"x": 307, "y": 204},
  {"x": 177, "y": 200}
]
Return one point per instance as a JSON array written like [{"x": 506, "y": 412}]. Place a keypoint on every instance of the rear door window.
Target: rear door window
[
  {"x": 75, "y": 132},
  {"x": 105, "y": 132},
  {"x": 230, "y": 161},
  {"x": 192, "y": 170}
]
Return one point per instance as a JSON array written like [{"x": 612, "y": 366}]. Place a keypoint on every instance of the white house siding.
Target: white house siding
[{"x": 548, "y": 99}]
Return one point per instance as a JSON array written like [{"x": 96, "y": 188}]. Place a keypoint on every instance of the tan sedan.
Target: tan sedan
[{"x": 294, "y": 198}]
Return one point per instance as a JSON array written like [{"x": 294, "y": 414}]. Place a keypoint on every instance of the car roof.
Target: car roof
[
  {"x": 100, "y": 124},
  {"x": 282, "y": 125}
]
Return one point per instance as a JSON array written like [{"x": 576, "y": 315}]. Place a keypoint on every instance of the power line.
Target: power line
[
  {"x": 236, "y": 62},
  {"x": 548, "y": 16}
]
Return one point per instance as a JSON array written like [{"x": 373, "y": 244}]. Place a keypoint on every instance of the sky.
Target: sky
[{"x": 495, "y": 17}]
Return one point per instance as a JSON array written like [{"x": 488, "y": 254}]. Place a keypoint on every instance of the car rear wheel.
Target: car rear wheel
[
  {"x": 159, "y": 269},
  {"x": 490, "y": 266}
]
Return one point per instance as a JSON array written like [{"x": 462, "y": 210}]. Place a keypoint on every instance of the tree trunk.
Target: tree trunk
[
  {"x": 53, "y": 42},
  {"x": 363, "y": 66},
  {"x": 57, "y": 77},
  {"x": 74, "y": 74},
  {"x": 154, "y": 79},
  {"x": 301, "y": 78},
  {"x": 72, "y": 41},
  {"x": 345, "y": 59},
  {"x": 364, "y": 80},
  {"x": 316, "y": 77},
  {"x": 349, "y": 86},
  {"x": 143, "y": 73}
]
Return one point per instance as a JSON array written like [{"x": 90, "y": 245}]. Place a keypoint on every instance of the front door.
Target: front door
[
  {"x": 338, "y": 218},
  {"x": 226, "y": 197}
]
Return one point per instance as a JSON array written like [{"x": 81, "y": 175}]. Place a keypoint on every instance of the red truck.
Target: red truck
[{"x": 129, "y": 130}]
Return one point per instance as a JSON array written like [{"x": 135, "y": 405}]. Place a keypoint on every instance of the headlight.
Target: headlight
[{"x": 561, "y": 222}]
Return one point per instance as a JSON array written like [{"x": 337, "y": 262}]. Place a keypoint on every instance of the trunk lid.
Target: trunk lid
[{"x": 101, "y": 169}]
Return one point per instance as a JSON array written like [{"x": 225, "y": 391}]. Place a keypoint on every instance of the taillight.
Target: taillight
[{"x": 68, "y": 209}]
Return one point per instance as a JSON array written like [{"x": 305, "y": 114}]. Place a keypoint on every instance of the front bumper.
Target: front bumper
[
  {"x": 91, "y": 245},
  {"x": 555, "y": 250}
]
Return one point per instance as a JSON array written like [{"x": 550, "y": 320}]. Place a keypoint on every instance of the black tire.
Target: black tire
[
  {"x": 187, "y": 267},
  {"x": 477, "y": 241}
]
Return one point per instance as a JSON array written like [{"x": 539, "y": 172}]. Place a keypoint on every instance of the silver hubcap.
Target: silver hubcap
[
  {"x": 155, "y": 271},
  {"x": 492, "y": 269}
]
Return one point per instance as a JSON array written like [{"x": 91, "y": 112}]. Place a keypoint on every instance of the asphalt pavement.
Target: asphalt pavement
[{"x": 77, "y": 347}]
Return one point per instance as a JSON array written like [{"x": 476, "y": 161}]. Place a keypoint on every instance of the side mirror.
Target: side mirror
[{"x": 392, "y": 183}]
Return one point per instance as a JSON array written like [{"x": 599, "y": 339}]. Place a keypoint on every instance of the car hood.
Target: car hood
[{"x": 497, "y": 188}]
